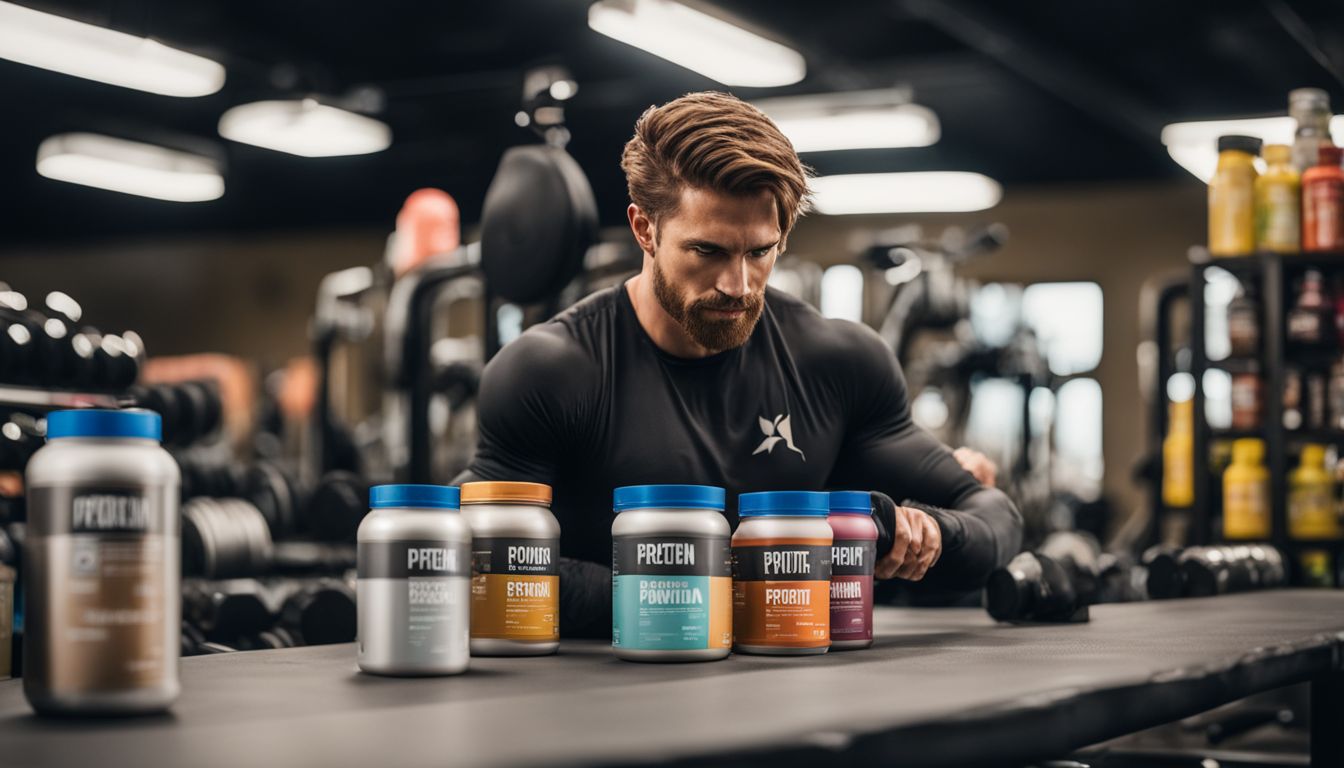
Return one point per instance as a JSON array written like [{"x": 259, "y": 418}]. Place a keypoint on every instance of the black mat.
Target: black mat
[{"x": 941, "y": 687}]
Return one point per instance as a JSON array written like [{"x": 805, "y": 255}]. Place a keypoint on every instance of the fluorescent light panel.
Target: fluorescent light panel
[
  {"x": 855, "y": 120},
  {"x": 916, "y": 192},
  {"x": 1194, "y": 145},
  {"x": 125, "y": 166},
  {"x": 715, "y": 48},
  {"x": 304, "y": 128},
  {"x": 107, "y": 56}
]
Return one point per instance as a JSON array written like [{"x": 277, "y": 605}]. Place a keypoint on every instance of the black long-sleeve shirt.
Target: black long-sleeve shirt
[{"x": 586, "y": 402}]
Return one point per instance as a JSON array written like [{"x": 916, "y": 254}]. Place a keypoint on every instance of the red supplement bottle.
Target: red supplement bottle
[
  {"x": 853, "y": 555},
  {"x": 1323, "y": 203}
]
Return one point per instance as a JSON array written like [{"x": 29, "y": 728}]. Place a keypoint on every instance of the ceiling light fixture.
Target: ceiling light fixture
[
  {"x": 96, "y": 53},
  {"x": 915, "y": 192},
  {"x": 855, "y": 120},
  {"x": 304, "y": 127},
  {"x": 1194, "y": 145},
  {"x": 717, "y": 49},
  {"x": 94, "y": 160}
]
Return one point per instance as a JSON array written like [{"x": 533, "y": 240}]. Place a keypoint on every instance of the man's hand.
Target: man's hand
[
  {"x": 978, "y": 464},
  {"x": 917, "y": 543}
]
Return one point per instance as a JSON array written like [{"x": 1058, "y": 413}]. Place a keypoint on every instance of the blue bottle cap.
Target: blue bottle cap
[
  {"x": 429, "y": 496},
  {"x": 792, "y": 503},
  {"x": 851, "y": 503},
  {"x": 99, "y": 422},
  {"x": 668, "y": 497}
]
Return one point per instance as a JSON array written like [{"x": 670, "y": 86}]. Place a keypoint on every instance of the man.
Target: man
[{"x": 695, "y": 372}]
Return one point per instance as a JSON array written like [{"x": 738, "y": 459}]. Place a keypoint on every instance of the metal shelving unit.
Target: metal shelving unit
[
  {"x": 41, "y": 399},
  {"x": 1271, "y": 274}
]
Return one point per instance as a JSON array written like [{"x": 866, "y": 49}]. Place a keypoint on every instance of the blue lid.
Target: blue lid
[
  {"x": 432, "y": 496},
  {"x": 668, "y": 497},
  {"x": 100, "y": 422},
  {"x": 794, "y": 503},
  {"x": 851, "y": 503}
]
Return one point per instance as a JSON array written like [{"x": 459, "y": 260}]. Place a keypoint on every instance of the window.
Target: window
[
  {"x": 842, "y": 292},
  {"x": 1066, "y": 320}
]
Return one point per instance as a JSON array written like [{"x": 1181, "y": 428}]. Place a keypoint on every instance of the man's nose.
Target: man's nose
[{"x": 735, "y": 279}]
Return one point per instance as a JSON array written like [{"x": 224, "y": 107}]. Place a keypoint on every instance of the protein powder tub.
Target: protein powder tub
[
  {"x": 671, "y": 574},
  {"x": 101, "y": 572},
  {"x": 414, "y": 589},
  {"x": 782, "y": 573},
  {"x": 852, "y": 556},
  {"x": 515, "y": 581}
]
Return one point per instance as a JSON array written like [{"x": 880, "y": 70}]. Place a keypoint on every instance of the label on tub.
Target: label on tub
[
  {"x": 852, "y": 563},
  {"x": 781, "y": 593},
  {"x": 671, "y": 593},
  {"x": 515, "y": 589}
]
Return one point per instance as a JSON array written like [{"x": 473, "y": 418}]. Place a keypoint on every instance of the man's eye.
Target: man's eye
[
  {"x": 762, "y": 252},
  {"x": 705, "y": 251}
]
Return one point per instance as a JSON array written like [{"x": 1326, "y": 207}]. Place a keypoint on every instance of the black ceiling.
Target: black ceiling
[{"x": 1052, "y": 91}]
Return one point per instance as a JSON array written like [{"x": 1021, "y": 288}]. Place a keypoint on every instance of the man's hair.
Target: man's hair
[{"x": 714, "y": 141}]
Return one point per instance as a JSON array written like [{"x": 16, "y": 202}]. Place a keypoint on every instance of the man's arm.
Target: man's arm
[
  {"x": 533, "y": 395},
  {"x": 885, "y": 451},
  {"x": 532, "y": 408}
]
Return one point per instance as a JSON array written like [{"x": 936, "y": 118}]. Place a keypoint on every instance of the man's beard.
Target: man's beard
[{"x": 714, "y": 334}]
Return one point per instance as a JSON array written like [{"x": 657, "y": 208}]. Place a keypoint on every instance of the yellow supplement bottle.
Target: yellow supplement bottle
[
  {"x": 1232, "y": 197},
  {"x": 1311, "y": 502},
  {"x": 1314, "y": 568},
  {"x": 1246, "y": 492},
  {"x": 1278, "y": 209},
  {"x": 1178, "y": 456}
]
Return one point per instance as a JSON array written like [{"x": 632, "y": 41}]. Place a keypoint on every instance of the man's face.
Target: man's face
[{"x": 712, "y": 258}]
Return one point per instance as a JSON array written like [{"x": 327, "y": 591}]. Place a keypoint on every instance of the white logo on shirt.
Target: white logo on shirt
[{"x": 775, "y": 432}]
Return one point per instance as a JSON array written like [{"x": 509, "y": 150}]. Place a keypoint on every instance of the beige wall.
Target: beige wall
[
  {"x": 252, "y": 295},
  {"x": 248, "y": 295}
]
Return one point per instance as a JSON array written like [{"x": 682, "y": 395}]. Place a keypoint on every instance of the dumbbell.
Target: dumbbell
[
  {"x": 1165, "y": 579},
  {"x": 1217, "y": 570},
  {"x": 18, "y": 339},
  {"x": 317, "y": 612},
  {"x": 71, "y": 361},
  {"x": 198, "y": 411},
  {"x": 311, "y": 558},
  {"x": 9, "y": 551},
  {"x": 1055, "y": 583},
  {"x": 274, "y": 491},
  {"x": 271, "y": 639},
  {"x": 190, "y": 410},
  {"x": 54, "y": 361},
  {"x": 211, "y": 478},
  {"x": 209, "y": 648},
  {"x": 222, "y": 538},
  {"x": 20, "y": 437},
  {"x": 1210, "y": 571},
  {"x": 337, "y": 506},
  {"x": 45, "y": 350},
  {"x": 118, "y": 362},
  {"x": 228, "y": 610},
  {"x": 191, "y": 638},
  {"x": 100, "y": 362},
  {"x": 13, "y": 509},
  {"x": 266, "y": 485},
  {"x": 18, "y": 536},
  {"x": 164, "y": 400}
]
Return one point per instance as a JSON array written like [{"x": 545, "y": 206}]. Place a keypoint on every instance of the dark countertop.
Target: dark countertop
[{"x": 940, "y": 687}]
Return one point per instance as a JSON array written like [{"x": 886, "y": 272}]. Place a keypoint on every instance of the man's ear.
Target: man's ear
[{"x": 644, "y": 229}]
